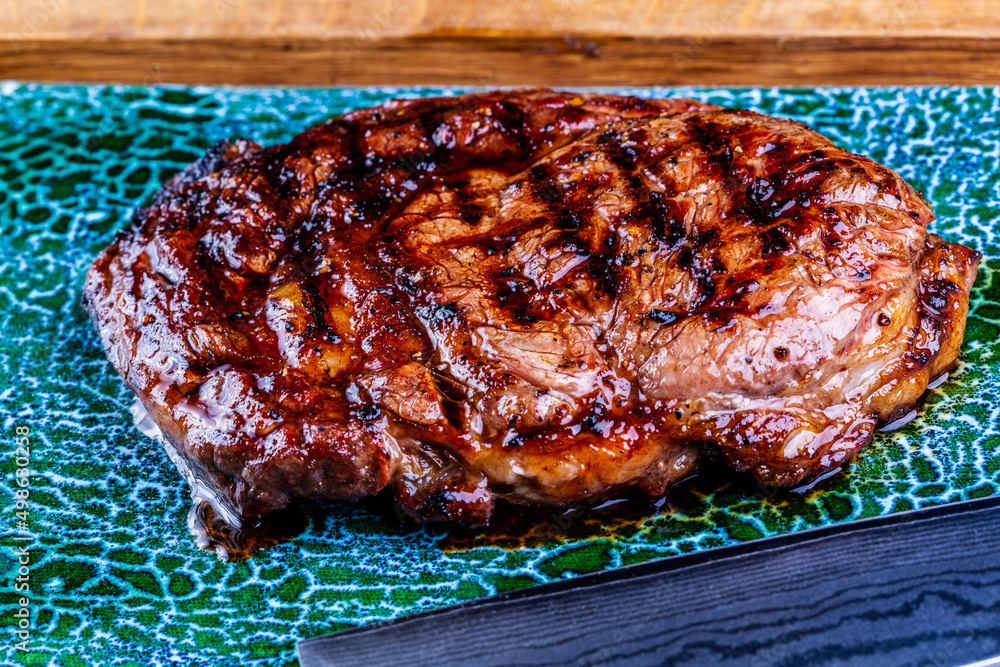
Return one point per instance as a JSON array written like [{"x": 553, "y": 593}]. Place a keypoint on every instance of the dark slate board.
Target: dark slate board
[{"x": 915, "y": 588}]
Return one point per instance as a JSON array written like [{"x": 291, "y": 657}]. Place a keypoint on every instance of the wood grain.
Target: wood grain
[
  {"x": 379, "y": 19},
  {"x": 916, "y": 588},
  {"x": 522, "y": 42},
  {"x": 508, "y": 61}
]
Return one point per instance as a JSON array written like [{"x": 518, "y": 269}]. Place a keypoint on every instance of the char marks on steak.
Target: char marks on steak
[{"x": 539, "y": 296}]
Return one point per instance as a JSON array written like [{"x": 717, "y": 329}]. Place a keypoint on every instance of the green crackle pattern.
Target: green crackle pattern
[{"x": 115, "y": 577}]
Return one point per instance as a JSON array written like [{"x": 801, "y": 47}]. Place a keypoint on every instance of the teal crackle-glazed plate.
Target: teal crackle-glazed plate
[{"x": 115, "y": 577}]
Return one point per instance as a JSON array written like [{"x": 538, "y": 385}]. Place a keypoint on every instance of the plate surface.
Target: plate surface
[{"x": 116, "y": 578}]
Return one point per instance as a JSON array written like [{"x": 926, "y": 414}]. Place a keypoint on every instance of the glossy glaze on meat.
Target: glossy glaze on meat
[{"x": 540, "y": 296}]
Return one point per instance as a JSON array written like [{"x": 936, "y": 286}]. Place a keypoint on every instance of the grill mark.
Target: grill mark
[
  {"x": 784, "y": 187},
  {"x": 710, "y": 138},
  {"x": 719, "y": 152},
  {"x": 315, "y": 304},
  {"x": 514, "y": 119},
  {"x": 685, "y": 257},
  {"x": 796, "y": 188},
  {"x": 606, "y": 274},
  {"x": 429, "y": 124},
  {"x": 541, "y": 184},
  {"x": 773, "y": 241},
  {"x": 622, "y": 156},
  {"x": 472, "y": 209},
  {"x": 758, "y": 201},
  {"x": 352, "y": 161},
  {"x": 570, "y": 219},
  {"x": 657, "y": 210}
]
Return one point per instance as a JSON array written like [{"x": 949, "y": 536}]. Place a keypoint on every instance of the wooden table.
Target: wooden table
[{"x": 547, "y": 42}]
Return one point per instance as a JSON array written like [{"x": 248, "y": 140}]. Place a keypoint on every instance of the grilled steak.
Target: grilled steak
[{"x": 537, "y": 296}]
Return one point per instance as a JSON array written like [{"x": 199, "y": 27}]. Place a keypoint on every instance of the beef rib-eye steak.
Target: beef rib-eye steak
[{"x": 531, "y": 295}]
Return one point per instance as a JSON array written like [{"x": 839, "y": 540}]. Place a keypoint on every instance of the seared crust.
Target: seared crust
[{"x": 534, "y": 295}]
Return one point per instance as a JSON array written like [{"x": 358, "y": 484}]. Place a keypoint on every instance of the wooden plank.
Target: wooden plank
[
  {"x": 505, "y": 61},
  {"x": 520, "y": 42},
  {"x": 379, "y": 19},
  {"x": 919, "y": 587}
]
